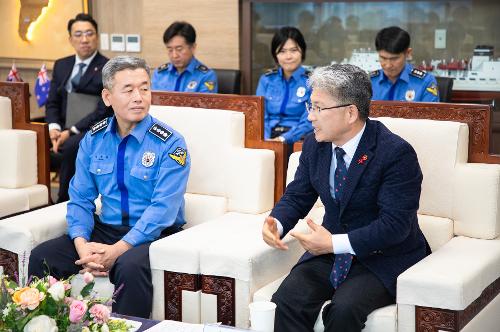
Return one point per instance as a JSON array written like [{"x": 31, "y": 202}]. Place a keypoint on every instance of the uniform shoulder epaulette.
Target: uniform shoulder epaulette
[
  {"x": 418, "y": 73},
  {"x": 163, "y": 67},
  {"x": 307, "y": 73},
  {"x": 160, "y": 132},
  {"x": 271, "y": 71},
  {"x": 202, "y": 68},
  {"x": 374, "y": 73},
  {"x": 98, "y": 126}
]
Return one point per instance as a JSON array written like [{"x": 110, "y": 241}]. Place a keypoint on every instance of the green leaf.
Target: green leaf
[{"x": 87, "y": 289}]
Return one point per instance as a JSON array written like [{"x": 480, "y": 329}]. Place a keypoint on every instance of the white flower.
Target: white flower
[
  {"x": 41, "y": 324},
  {"x": 57, "y": 291},
  {"x": 104, "y": 328},
  {"x": 6, "y": 311}
]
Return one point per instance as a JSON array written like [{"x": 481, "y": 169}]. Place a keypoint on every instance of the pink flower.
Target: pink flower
[
  {"x": 88, "y": 277},
  {"x": 77, "y": 310},
  {"x": 100, "y": 313},
  {"x": 52, "y": 280}
]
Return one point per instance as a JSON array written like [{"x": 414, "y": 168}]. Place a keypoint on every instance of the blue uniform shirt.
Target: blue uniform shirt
[
  {"x": 141, "y": 178},
  {"x": 285, "y": 103},
  {"x": 412, "y": 85},
  {"x": 195, "y": 78}
]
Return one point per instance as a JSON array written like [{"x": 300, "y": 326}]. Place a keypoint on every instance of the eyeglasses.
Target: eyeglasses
[
  {"x": 80, "y": 34},
  {"x": 313, "y": 108}
]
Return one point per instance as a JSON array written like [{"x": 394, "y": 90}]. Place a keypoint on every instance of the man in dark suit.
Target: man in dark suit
[
  {"x": 80, "y": 73},
  {"x": 369, "y": 181}
]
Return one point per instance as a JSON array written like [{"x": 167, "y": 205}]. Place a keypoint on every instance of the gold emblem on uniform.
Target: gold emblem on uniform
[
  {"x": 301, "y": 92},
  {"x": 191, "y": 85},
  {"x": 210, "y": 85},
  {"x": 148, "y": 159},
  {"x": 410, "y": 95},
  {"x": 433, "y": 89},
  {"x": 179, "y": 156}
]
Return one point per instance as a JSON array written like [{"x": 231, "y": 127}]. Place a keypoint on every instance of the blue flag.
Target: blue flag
[{"x": 42, "y": 86}]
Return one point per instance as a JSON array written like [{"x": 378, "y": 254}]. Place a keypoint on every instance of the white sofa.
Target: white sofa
[
  {"x": 459, "y": 215},
  {"x": 19, "y": 188},
  {"x": 225, "y": 178}
]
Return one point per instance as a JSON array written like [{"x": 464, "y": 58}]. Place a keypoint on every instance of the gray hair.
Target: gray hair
[
  {"x": 347, "y": 84},
  {"x": 120, "y": 63}
]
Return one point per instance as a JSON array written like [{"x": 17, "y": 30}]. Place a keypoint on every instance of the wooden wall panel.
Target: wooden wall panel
[{"x": 216, "y": 23}]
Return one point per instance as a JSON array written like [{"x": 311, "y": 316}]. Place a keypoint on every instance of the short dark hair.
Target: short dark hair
[
  {"x": 280, "y": 38},
  {"x": 393, "y": 40},
  {"x": 348, "y": 84},
  {"x": 180, "y": 28},
  {"x": 82, "y": 17}
]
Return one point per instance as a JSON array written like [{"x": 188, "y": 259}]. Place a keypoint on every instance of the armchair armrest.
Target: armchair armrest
[
  {"x": 38, "y": 225},
  {"x": 452, "y": 277},
  {"x": 21, "y": 168},
  {"x": 476, "y": 201}
]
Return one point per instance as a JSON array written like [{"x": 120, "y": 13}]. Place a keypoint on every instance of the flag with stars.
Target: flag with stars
[
  {"x": 14, "y": 76},
  {"x": 42, "y": 86}
]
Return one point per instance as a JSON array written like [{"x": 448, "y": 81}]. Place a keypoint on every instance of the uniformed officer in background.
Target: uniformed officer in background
[
  {"x": 398, "y": 80},
  {"x": 285, "y": 88},
  {"x": 184, "y": 72},
  {"x": 140, "y": 167}
]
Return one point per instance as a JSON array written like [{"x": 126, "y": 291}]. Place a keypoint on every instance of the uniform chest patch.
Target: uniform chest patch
[
  {"x": 191, "y": 85},
  {"x": 410, "y": 95},
  {"x": 148, "y": 159},
  {"x": 210, "y": 85},
  {"x": 179, "y": 156},
  {"x": 301, "y": 91}
]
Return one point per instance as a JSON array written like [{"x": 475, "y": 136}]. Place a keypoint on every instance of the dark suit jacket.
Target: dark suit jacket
[
  {"x": 90, "y": 83},
  {"x": 378, "y": 209}
]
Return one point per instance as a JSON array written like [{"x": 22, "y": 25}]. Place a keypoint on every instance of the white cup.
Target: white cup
[{"x": 262, "y": 316}]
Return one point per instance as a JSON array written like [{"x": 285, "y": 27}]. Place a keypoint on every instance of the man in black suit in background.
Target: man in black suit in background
[{"x": 79, "y": 73}]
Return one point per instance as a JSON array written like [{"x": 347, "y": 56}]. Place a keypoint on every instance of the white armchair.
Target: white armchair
[
  {"x": 225, "y": 178},
  {"x": 455, "y": 288},
  {"x": 19, "y": 188}
]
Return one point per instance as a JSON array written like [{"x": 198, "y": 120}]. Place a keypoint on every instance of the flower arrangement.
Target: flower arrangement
[{"x": 47, "y": 305}]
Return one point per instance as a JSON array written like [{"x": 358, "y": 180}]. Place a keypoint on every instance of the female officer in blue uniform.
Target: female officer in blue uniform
[{"x": 285, "y": 88}]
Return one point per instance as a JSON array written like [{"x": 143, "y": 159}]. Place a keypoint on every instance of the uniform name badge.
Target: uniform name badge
[
  {"x": 410, "y": 95},
  {"x": 191, "y": 85},
  {"x": 148, "y": 159},
  {"x": 301, "y": 92}
]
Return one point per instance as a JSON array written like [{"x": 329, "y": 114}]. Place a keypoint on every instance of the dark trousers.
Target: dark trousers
[
  {"x": 131, "y": 269},
  {"x": 67, "y": 155},
  {"x": 304, "y": 291}
]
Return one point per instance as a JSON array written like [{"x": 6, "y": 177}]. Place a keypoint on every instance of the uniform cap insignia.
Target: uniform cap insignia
[
  {"x": 210, "y": 85},
  {"x": 179, "y": 156},
  {"x": 301, "y": 91},
  {"x": 148, "y": 159},
  {"x": 410, "y": 95},
  {"x": 192, "y": 85}
]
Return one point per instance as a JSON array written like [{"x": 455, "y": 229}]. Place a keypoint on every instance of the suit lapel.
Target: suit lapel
[
  {"x": 94, "y": 68},
  {"x": 364, "y": 154},
  {"x": 324, "y": 161},
  {"x": 70, "y": 65}
]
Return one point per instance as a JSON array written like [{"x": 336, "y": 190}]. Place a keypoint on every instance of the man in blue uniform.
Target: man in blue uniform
[
  {"x": 398, "y": 80},
  {"x": 140, "y": 168},
  {"x": 184, "y": 72},
  {"x": 285, "y": 100}
]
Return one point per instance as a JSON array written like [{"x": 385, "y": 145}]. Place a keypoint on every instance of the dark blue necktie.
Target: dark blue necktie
[
  {"x": 76, "y": 80},
  {"x": 342, "y": 262}
]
